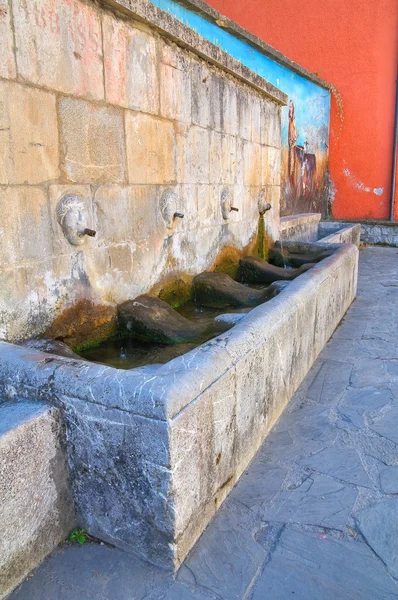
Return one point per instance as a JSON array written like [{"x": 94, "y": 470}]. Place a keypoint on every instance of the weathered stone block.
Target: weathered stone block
[
  {"x": 206, "y": 433},
  {"x": 7, "y": 60},
  {"x": 112, "y": 214},
  {"x": 25, "y": 230},
  {"x": 252, "y": 169},
  {"x": 198, "y": 145},
  {"x": 130, "y": 61},
  {"x": 245, "y": 123},
  {"x": 271, "y": 165},
  {"x": 150, "y": 258},
  {"x": 28, "y": 135},
  {"x": 150, "y": 149},
  {"x": 215, "y": 157},
  {"x": 229, "y": 159},
  {"x": 223, "y": 158},
  {"x": 230, "y": 116},
  {"x": 128, "y": 214},
  {"x": 300, "y": 227},
  {"x": 250, "y": 108},
  {"x": 216, "y": 106},
  {"x": 120, "y": 445},
  {"x": 34, "y": 491},
  {"x": 171, "y": 54},
  {"x": 9, "y": 227},
  {"x": 202, "y": 100},
  {"x": 92, "y": 139},
  {"x": 175, "y": 88},
  {"x": 25, "y": 315},
  {"x": 270, "y": 124},
  {"x": 58, "y": 45},
  {"x": 208, "y": 209},
  {"x": 181, "y": 134},
  {"x": 251, "y": 403},
  {"x": 187, "y": 203},
  {"x": 257, "y": 107}
]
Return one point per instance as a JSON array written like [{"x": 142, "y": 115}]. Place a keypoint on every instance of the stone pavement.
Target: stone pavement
[{"x": 315, "y": 516}]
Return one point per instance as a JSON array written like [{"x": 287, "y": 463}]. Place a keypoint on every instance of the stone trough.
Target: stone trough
[
  {"x": 154, "y": 451},
  {"x": 308, "y": 227}
]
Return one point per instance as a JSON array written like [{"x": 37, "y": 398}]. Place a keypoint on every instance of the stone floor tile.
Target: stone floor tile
[
  {"x": 341, "y": 463},
  {"x": 331, "y": 380},
  {"x": 379, "y": 526},
  {"x": 389, "y": 480},
  {"x": 308, "y": 566},
  {"x": 370, "y": 372},
  {"x": 319, "y": 501},
  {"x": 227, "y": 558},
  {"x": 387, "y": 426}
]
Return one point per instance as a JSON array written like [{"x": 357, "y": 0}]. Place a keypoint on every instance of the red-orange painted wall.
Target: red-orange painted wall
[{"x": 352, "y": 44}]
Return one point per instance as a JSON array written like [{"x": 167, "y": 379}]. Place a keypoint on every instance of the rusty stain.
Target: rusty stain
[{"x": 84, "y": 322}]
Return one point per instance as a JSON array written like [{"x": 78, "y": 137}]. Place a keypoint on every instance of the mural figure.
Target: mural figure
[
  {"x": 292, "y": 138},
  {"x": 301, "y": 163},
  {"x": 305, "y": 162}
]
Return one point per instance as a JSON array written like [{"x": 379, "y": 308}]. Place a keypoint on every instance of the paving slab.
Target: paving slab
[
  {"x": 308, "y": 565},
  {"x": 315, "y": 515}
]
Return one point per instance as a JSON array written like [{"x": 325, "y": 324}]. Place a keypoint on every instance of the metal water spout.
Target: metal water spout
[
  {"x": 90, "y": 232},
  {"x": 169, "y": 203},
  {"x": 263, "y": 205},
  {"x": 265, "y": 208},
  {"x": 226, "y": 204}
]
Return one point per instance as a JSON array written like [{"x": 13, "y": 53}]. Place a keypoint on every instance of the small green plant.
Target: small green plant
[{"x": 79, "y": 536}]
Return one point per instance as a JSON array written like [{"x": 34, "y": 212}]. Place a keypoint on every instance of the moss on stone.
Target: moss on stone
[
  {"x": 176, "y": 292},
  {"x": 88, "y": 344},
  {"x": 263, "y": 242},
  {"x": 227, "y": 261}
]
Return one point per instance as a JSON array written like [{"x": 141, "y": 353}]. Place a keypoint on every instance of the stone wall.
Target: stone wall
[
  {"x": 300, "y": 228},
  {"x": 95, "y": 103},
  {"x": 308, "y": 228},
  {"x": 351, "y": 234},
  {"x": 36, "y": 507},
  {"x": 383, "y": 233}
]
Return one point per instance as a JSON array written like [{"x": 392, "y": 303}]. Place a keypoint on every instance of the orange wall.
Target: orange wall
[{"x": 352, "y": 44}]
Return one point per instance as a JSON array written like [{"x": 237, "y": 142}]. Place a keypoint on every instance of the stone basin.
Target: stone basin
[{"x": 154, "y": 451}]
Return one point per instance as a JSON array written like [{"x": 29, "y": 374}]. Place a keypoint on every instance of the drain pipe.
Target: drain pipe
[{"x": 394, "y": 154}]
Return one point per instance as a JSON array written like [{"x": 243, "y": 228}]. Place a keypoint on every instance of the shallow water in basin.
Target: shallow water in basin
[{"x": 127, "y": 353}]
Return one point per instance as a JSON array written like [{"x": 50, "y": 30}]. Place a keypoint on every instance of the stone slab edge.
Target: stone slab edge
[
  {"x": 372, "y": 232},
  {"x": 301, "y": 227},
  {"x": 350, "y": 234},
  {"x": 144, "y": 11},
  {"x": 28, "y": 542},
  {"x": 301, "y": 219}
]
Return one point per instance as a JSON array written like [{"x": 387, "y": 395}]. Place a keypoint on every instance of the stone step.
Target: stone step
[{"x": 36, "y": 508}]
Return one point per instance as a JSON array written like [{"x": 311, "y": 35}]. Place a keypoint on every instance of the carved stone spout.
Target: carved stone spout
[{"x": 72, "y": 218}]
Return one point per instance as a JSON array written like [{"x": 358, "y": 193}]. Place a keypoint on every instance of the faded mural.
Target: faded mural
[
  {"x": 305, "y": 121},
  {"x": 305, "y": 132}
]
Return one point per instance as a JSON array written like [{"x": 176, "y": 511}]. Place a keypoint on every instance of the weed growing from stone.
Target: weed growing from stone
[{"x": 79, "y": 536}]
